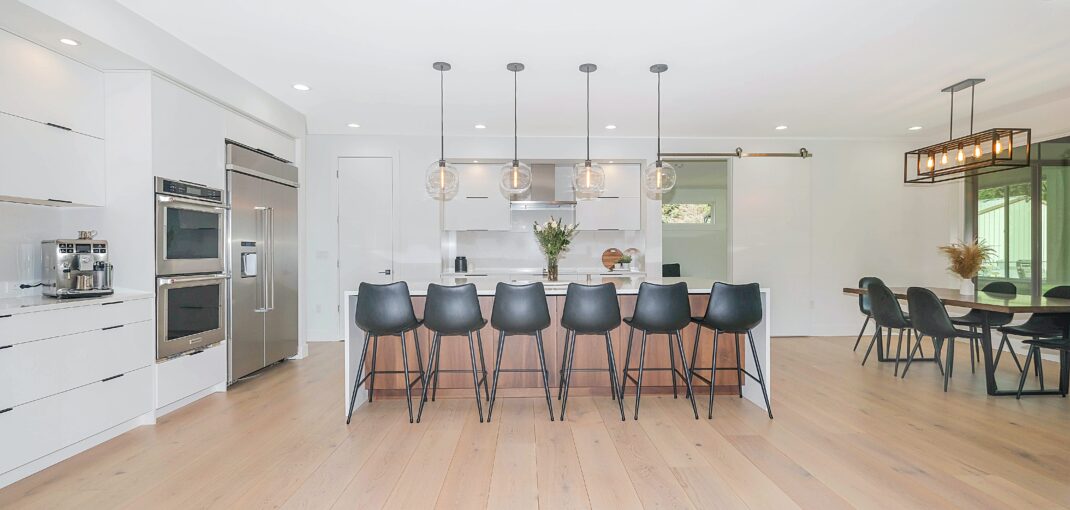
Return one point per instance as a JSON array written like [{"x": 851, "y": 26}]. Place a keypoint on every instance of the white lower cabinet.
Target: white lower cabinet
[
  {"x": 85, "y": 316},
  {"x": 31, "y": 431},
  {"x": 180, "y": 377}
]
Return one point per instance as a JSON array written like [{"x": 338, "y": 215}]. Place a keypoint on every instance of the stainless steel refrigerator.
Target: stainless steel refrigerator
[{"x": 261, "y": 259}]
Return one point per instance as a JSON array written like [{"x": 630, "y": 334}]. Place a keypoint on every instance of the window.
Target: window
[{"x": 688, "y": 213}]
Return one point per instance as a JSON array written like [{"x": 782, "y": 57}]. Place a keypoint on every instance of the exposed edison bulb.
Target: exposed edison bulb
[
  {"x": 999, "y": 147},
  {"x": 587, "y": 175},
  {"x": 977, "y": 150},
  {"x": 961, "y": 155},
  {"x": 943, "y": 159},
  {"x": 516, "y": 176},
  {"x": 931, "y": 162}
]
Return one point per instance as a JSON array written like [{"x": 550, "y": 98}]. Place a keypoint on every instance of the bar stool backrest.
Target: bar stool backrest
[
  {"x": 662, "y": 308},
  {"x": 734, "y": 308},
  {"x": 928, "y": 314},
  {"x": 520, "y": 308},
  {"x": 885, "y": 307},
  {"x": 384, "y": 309},
  {"x": 591, "y": 308},
  {"x": 452, "y": 310},
  {"x": 863, "y": 299}
]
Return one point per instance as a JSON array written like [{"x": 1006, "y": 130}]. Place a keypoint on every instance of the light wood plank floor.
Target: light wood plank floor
[{"x": 844, "y": 436}]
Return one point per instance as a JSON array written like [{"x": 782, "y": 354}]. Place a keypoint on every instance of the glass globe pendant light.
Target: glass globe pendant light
[
  {"x": 588, "y": 179},
  {"x": 515, "y": 176},
  {"x": 659, "y": 176},
  {"x": 441, "y": 179}
]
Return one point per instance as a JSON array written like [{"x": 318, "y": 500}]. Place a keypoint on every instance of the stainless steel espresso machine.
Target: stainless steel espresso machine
[{"x": 75, "y": 268}]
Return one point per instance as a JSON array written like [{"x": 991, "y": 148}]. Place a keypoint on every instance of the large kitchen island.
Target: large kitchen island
[{"x": 520, "y": 352}]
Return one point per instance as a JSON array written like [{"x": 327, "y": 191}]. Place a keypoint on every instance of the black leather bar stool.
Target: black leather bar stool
[
  {"x": 930, "y": 318},
  {"x": 1037, "y": 327},
  {"x": 659, "y": 310},
  {"x": 520, "y": 310},
  {"x": 385, "y": 310},
  {"x": 454, "y": 311},
  {"x": 863, "y": 304},
  {"x": 976, "y": 318},
  {"x": 736, "y": 310},
  {"x": 887, "y": 314},
  {"x": 589, "y": 310}
]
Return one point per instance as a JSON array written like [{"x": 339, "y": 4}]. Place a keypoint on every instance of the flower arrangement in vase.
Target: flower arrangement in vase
[
  {"x": 966, "y": 261},
  {"x": 554, "y": 237}
]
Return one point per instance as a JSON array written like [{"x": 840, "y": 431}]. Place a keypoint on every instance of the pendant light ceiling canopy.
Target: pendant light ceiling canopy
[
  {"x": 515, "y": 176},
  {"x": 441, "y": 179},
  {"x": 588, "y": 179},
  {"x": 983, "y": 152},
  {"x": 659, "y": 177}
]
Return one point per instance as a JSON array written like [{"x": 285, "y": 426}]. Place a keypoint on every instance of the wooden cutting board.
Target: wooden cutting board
[{"x": 610, "y": 257}]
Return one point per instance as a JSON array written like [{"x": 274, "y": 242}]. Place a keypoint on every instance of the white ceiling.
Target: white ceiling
[{"x": 828, "y": 68}]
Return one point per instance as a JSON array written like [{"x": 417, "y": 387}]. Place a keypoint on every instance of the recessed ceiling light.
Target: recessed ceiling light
[
  {"x": 69, "y": 42},
  {"x": 611, "y": 126},
  {"x": 480, "y": 126},
  {"x": 611, "y": 162},
  {"x": 914, "y": 128},
  {"x": 781, "y": 127},
  {"x": 302, "y": 87},
  {"x": 353, "y": 125},
  {"x": 475, "y": 161}
]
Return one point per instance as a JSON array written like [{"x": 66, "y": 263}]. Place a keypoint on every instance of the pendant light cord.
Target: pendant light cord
[
  {"x": 659, "y": 118},
  {"x": 588, "y": 116},
  {"x": 972, "y": 92},
  {"x": 515, "y": 151},
  {"x": 442, "y": 113},
  {"x": 951, "y": 126}
]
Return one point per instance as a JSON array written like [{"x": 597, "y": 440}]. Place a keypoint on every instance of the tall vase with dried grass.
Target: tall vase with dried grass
[{"x": 966, "y": 260}]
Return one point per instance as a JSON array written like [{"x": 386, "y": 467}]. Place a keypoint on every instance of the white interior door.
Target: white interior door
[{"x": 365, "y": 221}]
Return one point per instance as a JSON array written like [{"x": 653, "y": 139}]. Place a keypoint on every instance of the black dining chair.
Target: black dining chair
[
  {"x": 1058, "y": 344},
  {"x": 589, "y": 310},
  {"x": 974, "y": 319},
  {"x": 929, "y": 317},
  {"x": 863, "y": 305},
  {"x": 520, "y": 310},
  {"x": 735, "y": 310},
  {"x": 1037, "y": 327},
  {"x": 664, "y": 310},
  {"x": 454, "y": 311},
  {"x": 385, "y": 310},
  {"x": 887, "y": 314}
]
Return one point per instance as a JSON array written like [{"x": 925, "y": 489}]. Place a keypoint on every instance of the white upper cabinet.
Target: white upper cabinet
[
  {"x": 479, "y": 203},
  {"x": 618, "y": 208},
  {"x": 40, "y": 164},
  {"x": 187, "y": 136},
  {"x": 245, "y": 131},
  {"x": 622, "y": 180},
  {"x": 44, "y": 86}
]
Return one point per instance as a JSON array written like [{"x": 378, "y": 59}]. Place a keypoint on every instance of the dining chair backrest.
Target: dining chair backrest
[
  {"x": 863, "y": 298},
  {"x": 1001, "y": 288},
  {"x": 884, "y": 307},
  {"x": 1050, "y": 320},
  {"x": 452, "y": 310},
  {"x": 384, "y": 309},
  {"x": 734, "y": 308},
  {"x": 591, "y": 308},
  {"x": 662, "y": 308},
  {"x": 928, "y": 315},
  {"x": 520, "y": 308}
]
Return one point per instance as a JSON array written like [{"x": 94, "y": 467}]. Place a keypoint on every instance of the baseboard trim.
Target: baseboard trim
[{"x": 182, "y": 402}]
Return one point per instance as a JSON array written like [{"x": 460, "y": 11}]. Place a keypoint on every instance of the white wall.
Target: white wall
[{"x": 806, "y": 229}]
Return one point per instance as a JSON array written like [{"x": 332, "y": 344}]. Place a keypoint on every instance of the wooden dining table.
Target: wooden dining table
[{"x": 989, "y": 302}]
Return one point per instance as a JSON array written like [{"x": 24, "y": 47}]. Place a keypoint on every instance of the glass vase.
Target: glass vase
[{"x": 551, "y": 269}]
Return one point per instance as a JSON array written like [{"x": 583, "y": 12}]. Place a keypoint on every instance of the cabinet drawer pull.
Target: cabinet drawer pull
[
  {"x": 2, "y": 411},
  {"x": 476, "y": 197},
  {"x": 5, "y": 316},
  {"x": 608, "y": 197},
  {"x": 609, "y": 229},
  {"x": 112, "y": 327},
  {"x": 194, "y": 353},
  {"x": 111, "y": 303},
  {"x": 2, "y": 347},
  {"x": 60, "y": 201},
  {"x": 106, "y": 379},
  {"x": 65, "y": 128}
]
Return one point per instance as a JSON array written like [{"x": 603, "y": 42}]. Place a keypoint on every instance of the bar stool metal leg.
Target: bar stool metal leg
[
  {"x": 375, "y": 351},
  {"x": 694, "y": 354},
  {"x": 713, "y": 369},
  {"x": 639, "y": 380},
  {"x": 475, "y": 376},
  {"x": 861, "y": 332},
  {"x": 432, "y": 364},
  {"x": 483, "y": 364},
  {"x": 545, "y": 375},
  {"x": 561, "y": 373},
  {"x": 568, "y": 375},
  {"x": 405, "y": 368},
  {"x": 761, "y": 375},
  {"x": 356, "y": 381},
  {"x": 739, "y": 368},
  {"x": 497, "y": 372},
  {"x": 683, "y": 362},
  {"x": 672, "y": 366},
  {"x": 627, "y": 361},
  {"x": 434, "y": 389},
  {"x": 613, "y": 375},
  {"x": 419, "y": 357}
]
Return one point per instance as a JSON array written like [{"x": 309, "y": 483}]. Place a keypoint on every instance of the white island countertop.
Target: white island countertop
[
  {"x": 39, "y": 303},
  {"x": 625, "y": 284}
]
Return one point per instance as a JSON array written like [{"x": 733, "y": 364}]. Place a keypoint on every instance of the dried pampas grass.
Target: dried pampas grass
[{"x": 967, "y": 258}]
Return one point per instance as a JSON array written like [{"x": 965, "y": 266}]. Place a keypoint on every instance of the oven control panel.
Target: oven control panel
[{"x": 188, "y": 190}]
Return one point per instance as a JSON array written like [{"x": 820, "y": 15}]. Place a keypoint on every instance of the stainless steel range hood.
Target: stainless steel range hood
[{"x": 551, "y": 188}]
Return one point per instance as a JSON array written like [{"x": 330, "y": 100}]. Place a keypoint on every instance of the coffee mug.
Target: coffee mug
[{"x": 87, "y": 234}]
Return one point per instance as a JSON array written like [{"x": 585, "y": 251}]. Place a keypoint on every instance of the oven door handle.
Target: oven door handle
[
  {"x": 207, "y": 206},
  {"x": 189, "y": 279}
]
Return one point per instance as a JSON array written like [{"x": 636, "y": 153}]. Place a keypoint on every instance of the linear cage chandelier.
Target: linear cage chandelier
[{"x": 983, "y": 152}]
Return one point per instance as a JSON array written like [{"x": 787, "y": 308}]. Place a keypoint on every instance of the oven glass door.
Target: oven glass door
[
  {"x": 189, "y": 237},
  {"x": 190, "y": 314}
]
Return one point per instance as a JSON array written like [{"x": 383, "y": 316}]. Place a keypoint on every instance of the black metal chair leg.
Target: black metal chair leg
[
  {"x": 898, "y": 351},
  {"x": 432, "y": 365},
  {"x": 497, "y": 372},
  {"x": 672, "y": 366},
  {"x": 861, "y": 332},
  {"x": 545, "y": 375},
  {"x": 973, "y": 352},
  {"x": 564, "y": 359},
  {"x": 694, "y": 355},
  {"x": 739, "y": 368},
  {"x": 876, "y": 338},
  {"x": 405, "y": 369},
  {"x": 639, "y": 380},
  {"x": 683, "y": 363},
  {"x": 1038, "y": 361},
  {"x": 627, "y": 361},
  {"x": 360, "y": 371},
  {"x": 483, "y": 364},
  {"x": 434, "y": 389},
  {"x": 371, "y": 384},
  {"x": 950, "y": 359},
  {"x": 999, "y": 353},
  {"x": 1025, "y": 372},
  {"x": 475, "y": 375},
  {"x": 761, "y": 375},
  {"x": 568, "y": 375},
  {"x": 938, "y": 348},
  {"x": 713, "y": 370},
  {"x": 910, "y": 357},
  {"x": 613, "y": 374},
  {"x": 419, "y": 357}
]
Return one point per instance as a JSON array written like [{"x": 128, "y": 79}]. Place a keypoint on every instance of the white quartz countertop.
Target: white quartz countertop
[
  {"x": 625, "y": 285},
  {"x": 40, "y": 303}
]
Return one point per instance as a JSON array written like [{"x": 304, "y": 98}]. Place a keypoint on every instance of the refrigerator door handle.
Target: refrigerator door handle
[
  {"x": 261, "y": 288},
  {"x": 271, "y": 258}
]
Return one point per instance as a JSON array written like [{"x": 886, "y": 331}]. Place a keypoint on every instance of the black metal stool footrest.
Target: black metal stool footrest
[{"x": 636, "y": 381}]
